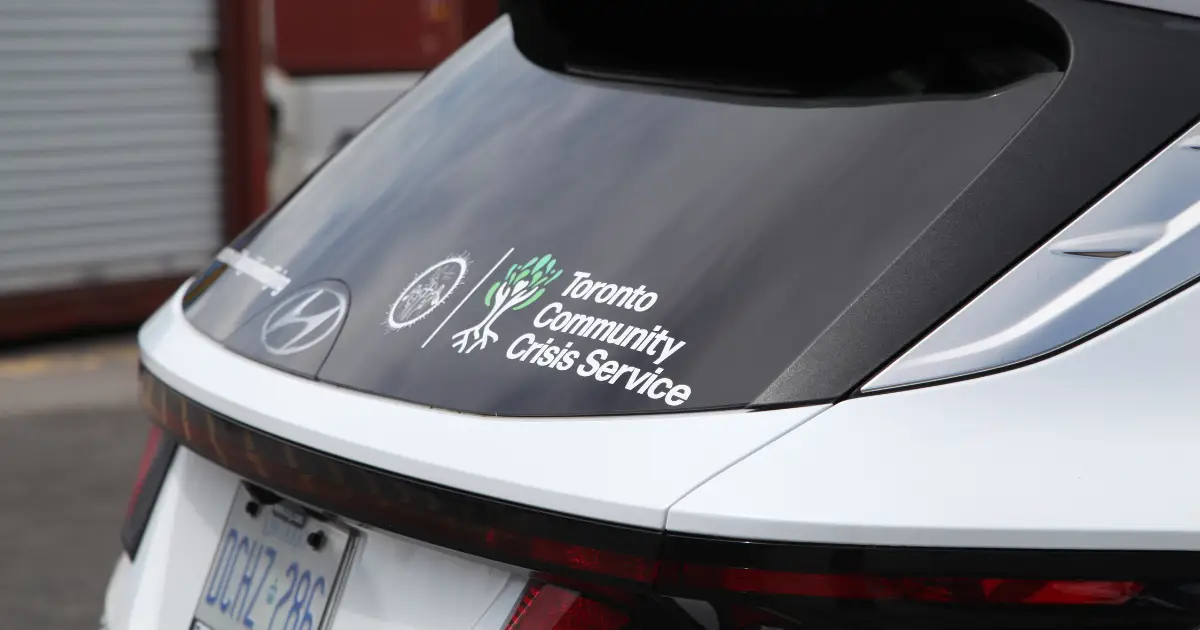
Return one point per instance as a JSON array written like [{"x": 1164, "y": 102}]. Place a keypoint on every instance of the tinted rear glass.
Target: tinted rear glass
[{"x": 518, "y": 242}]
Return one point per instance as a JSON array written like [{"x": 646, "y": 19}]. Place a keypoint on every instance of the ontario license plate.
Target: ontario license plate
[{"x": 276, "y": 568}]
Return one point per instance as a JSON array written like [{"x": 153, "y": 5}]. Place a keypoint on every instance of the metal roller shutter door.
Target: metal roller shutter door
[{"x": 109, "y": 141}]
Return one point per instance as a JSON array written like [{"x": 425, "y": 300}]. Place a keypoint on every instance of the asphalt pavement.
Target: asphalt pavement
[{"x": 71, "y": 435}]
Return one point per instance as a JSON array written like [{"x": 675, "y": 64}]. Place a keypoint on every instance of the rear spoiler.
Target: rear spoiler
[
  {"x": 802, "y": 48},
  {"x": 1075, "y": 586}
]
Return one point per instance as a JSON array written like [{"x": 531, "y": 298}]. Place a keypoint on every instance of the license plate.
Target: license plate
[{"x": 277, "y": 567}]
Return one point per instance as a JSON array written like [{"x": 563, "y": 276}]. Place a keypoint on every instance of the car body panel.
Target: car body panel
[
  {"x": 161, "y": 586},
  {"x": 1089, "y": 449}
]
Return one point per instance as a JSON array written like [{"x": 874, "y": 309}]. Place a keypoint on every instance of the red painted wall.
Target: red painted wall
[
  {"x": 477, "y": 14},
  {"x": 348, "y": 36}
]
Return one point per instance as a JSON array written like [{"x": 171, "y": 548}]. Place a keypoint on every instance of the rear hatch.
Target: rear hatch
[
  {"x": 578, "y": 221},
  {"x": 522, "y": 240},
  {"x": 460, "y": 341}
]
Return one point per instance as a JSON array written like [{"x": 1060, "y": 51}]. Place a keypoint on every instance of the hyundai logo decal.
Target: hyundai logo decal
[{"x": 304, "y": 320}]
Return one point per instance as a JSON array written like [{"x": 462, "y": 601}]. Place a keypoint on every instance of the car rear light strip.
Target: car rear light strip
[
  {"x": 152, "y": 472},
  {"x": 550, "y": 607},
  {"x": 576, "y": 558},
  {"x": 468, "y": 523}
]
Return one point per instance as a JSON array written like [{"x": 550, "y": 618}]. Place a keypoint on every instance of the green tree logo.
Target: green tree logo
[{"x": 522, "y": 286}]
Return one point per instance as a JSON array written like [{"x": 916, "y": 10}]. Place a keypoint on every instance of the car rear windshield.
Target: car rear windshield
[{"x": 519, "y": 241}]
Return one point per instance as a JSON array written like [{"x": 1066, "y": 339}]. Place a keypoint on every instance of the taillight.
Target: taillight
[
  {"x": 153, "y": 439},
  {"x": 152, "y": 470},
  {"x": 745, "y": 599},
  {"x": 589, "y": 575},
  {"x": 873, "y": 587},
  {"x": 549, "y": 607}
]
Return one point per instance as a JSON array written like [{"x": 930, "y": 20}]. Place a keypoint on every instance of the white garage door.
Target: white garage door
[{"x": 109, "y": 164}]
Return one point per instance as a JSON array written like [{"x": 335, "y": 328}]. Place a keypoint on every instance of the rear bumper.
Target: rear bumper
[
  {"x": 1018, "y": 475},
  {"x": 159, "y": 588},
  {"x": 393, "y": 581},
  {"x": 115, "y": 615}
]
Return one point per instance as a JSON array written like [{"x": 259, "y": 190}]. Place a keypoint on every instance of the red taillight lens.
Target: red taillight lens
[
  {"x": 576, "y": 557},
  {"x": 152, "y": 470},
  {"x": 550, "y": 607},
  {"x": 949, "y": 590},
  {"x": 148, "y": 453}
]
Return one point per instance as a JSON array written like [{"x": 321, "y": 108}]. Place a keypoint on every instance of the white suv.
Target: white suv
[{"x": 793, "y": 314}]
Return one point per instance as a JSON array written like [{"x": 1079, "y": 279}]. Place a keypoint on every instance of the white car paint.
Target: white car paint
[
  {"x": 1092, "y": 448},
  {"x": 619, "y": 469},
  {"x": 161, "y": 589}
]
